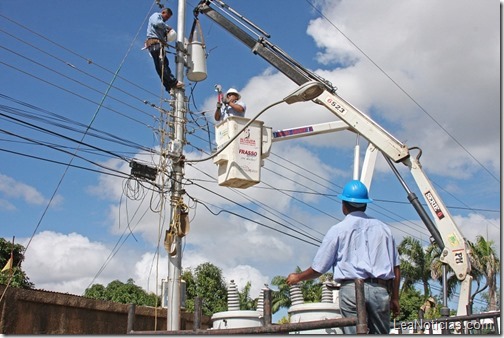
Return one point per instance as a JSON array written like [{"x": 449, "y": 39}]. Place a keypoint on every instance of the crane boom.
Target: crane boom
[{"x": 262, "y": 47}]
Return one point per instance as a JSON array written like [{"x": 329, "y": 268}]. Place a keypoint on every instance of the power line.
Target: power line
[
  {"x": 405, "y": 92},
  {"x": 87, "y": 60},
  {"x": 254, "y": 212}
]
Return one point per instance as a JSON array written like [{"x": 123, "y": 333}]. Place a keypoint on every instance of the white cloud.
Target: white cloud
[
  {"x": 67, "y": 262},
  {"x": 241, "y": 274},
  {"x": 6, "y": 205},
  {"x": 477, "y": 225},
  {"x": 431, "y": 65},
  {"x": 12, "y": 188}
]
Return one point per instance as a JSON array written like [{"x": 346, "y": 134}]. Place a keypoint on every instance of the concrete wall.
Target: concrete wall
[{"x": 44, "y": 312}]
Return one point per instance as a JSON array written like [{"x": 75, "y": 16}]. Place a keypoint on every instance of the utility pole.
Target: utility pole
[{"x": 177, "y": 174}]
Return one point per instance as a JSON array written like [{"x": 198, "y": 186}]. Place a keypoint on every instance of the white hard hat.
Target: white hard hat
[
  {"x": 171, "y": 36},
  {"x": 233, "y": 91}
]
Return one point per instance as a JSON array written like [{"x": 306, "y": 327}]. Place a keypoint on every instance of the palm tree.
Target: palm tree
[
  {"x": 415, "y": 264},
  {"x": 485, "y": 263},
  {"x": 247, "y": 302},
  {"x": 433, "y": 253},
  {"x": 281, "y": 298}
]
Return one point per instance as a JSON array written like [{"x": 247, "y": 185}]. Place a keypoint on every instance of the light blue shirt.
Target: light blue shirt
[
  {"x": 358, "y": 247},
  {"x": 227, "y": 110},
  {"x": 157, "y": 28}
]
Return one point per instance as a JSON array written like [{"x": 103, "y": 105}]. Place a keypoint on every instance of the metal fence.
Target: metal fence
[
  {"x": 485, "y": 323},
  {"x": 360, "y": 321}
]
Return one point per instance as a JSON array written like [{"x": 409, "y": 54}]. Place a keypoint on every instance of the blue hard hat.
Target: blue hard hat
[{"x": 355, "y": 191}]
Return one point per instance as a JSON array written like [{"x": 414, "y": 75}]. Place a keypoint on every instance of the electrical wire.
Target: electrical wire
[
  {"x": 254, "y": 212},
  {"x": 283, "y": 217},
  {"x": 268, "y": 187}
]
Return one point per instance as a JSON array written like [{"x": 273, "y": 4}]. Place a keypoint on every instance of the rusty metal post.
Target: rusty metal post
[
  {"x": 360, "y": 301},
  {"x": 131, "y": 317},
  {"x": 267, "y": 307},
  {"x": 197, "y": 313}
]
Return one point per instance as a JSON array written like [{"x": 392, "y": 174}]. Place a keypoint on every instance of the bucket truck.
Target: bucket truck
[{"x": 443, "y": 229}]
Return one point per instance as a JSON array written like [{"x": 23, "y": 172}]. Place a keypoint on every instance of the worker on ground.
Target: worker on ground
[
  {"x": 158, "y": 36},
  {"x": 359, "y": 247},
  {"x": 231, "y": 105},
  {"x": 427, "y": 307}
]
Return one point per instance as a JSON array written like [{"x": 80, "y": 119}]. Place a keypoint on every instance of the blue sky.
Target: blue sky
[{"x": 427, "y": 71}]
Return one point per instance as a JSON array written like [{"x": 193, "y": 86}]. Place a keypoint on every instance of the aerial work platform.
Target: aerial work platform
[{"x": 239, "y": 163}]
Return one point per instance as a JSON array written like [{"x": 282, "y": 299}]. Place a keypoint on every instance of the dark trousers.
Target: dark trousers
[{"x": 163, "y": 68}]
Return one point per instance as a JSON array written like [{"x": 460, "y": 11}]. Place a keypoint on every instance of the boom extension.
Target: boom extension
[{"x": 262, "y": 47}]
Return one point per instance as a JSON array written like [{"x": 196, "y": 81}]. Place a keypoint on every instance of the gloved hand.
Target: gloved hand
[
  {"x": 219, "y": 105},
  {"x": 225, "y": 100}
]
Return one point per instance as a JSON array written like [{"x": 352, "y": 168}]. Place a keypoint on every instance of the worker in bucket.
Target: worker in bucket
[
  {"x": 158, "y": 36},
  {"x": 231, "y": 105},
  {"x": 359, "y": 247}
]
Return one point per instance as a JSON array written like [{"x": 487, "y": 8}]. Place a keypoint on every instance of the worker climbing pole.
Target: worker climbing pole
[
  {"x": 171, "y": 162},
  {"x": 159, "y": 34}
]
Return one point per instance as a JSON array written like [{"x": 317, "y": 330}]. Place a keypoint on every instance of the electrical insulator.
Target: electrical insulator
[{"x": 233, "y": 298}]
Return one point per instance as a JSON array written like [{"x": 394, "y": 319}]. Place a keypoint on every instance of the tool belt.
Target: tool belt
[
  {"x": 152, "y": 41},
  {"x": 153, "y": 44}
]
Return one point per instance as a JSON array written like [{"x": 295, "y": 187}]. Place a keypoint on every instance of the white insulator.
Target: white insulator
[
  {"x": 233, "y": 297},
  {"x": 327, "y": 295},
  {"x": 260, "y": 301},
  {"x": 296, "y": 295}
]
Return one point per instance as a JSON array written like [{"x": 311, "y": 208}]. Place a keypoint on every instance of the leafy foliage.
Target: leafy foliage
[
  {"x": 281, "y": 298},
  {"x": 486, "y": 297},
  {"x": 126, "y": 293},
  {"x": 485, "y": 264},
  {"x": 16, "y": 277},
  {"x": 419, "y": 265},
  {"x": 415, "y": 264},
  {"x": 410, "y": 301},
  {"x": 207, "y": 283},
  {"x": 311, "y": 290},
  {"x": 436, "y": 267},
  {"x": 247, "y": 302}
]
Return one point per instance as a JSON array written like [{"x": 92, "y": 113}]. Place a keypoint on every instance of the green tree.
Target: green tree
[
  {"x": 485, "y": 263},
  {"x": 486, "y": 297},
  {"x": 15, "y": 277},
  {"x": 96, "y": 291},
  {"x": 410, "y": 301},
  {"x": 207, "y": 283},
  {"x": 415, "y": 264},
  {"x": 126, "y": 293},
  {"x": 436, "y": 266},
  {"x": 281, "y": 298},
  {"x": 247, "y": 302}
]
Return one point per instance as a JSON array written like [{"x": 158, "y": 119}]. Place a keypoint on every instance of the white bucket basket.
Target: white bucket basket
[
  {"x": 196, "y": 59},
  {"x": 241, "y": 161}
]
